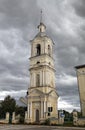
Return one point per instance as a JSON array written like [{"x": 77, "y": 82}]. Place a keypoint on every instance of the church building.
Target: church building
[
  {"x": 42, "y": 96},
  {"x": 81, "y": 86}
]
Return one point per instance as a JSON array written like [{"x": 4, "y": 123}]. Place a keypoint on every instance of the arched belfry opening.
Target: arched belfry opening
[
  {"x": 49, "y": 50},
  {"x": 38, "y": 49}
]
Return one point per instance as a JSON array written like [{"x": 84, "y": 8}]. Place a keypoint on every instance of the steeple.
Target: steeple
[
  {"x": 41, "y": 27},
  {"x": 42, "y": 97},
  {"x": 41, "y": 17}
]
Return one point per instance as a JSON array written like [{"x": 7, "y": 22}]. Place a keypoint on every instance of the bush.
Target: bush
[
  {"x": 21, "y": 120},
  {"x": 47, "y": 121}
]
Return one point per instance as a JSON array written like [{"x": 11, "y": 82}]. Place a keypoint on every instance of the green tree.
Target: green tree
[
  {"x": 8, "y": 105},
  {"x": 20, "y": 110}
]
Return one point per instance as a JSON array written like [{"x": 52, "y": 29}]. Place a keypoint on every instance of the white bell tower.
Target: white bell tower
[
  {"x": 42, "y": 95},
  {"x": 42, "y": 72}
]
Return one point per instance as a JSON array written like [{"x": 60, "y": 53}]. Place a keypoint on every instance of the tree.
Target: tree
[
  {"x": 20, "y": 110},
  {"x": 8, "y": 105}
]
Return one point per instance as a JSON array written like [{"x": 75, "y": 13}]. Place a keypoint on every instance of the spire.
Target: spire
[
  {"x": 41, "y": 16},
  {"x": 41, "y": 27}
]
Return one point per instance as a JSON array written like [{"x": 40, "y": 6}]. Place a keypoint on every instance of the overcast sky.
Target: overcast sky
[{"x": 65, "y": 22}]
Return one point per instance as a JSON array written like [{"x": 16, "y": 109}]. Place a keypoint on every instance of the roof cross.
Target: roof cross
[{"x": 41, "y": 17}]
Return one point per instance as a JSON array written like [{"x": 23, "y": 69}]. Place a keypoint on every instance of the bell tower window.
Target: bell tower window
[
  {"x": 38, "y": 49},
  {"x": 38, "y": 80},
  {"x": 38, "y": 62},
  {"x": 49, "y": 50}
]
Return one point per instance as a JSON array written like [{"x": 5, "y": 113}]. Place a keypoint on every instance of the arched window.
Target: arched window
[
  {"x": 38, "y": 80},
  {"x": 38, "y": 62},
  {"x": 49, "y": 50},
  {"x": 38, "y": 49}
]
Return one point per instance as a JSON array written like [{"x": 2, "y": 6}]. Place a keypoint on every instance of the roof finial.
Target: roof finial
[
  {"x": 41, "y": 27},
  {"x": 41, "y": 17}
]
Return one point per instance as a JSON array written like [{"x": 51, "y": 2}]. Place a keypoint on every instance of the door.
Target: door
[{"x": 37, "y": 115}]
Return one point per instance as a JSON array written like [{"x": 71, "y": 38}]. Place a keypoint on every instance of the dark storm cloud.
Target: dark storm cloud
[
  {"x": 79, "y": 7},
  {"x": 17, "y": 19},
  {"x": 18, "y": 13},
  {"x": 13, "y": 65},
  {"x": 18, "y": 25}
]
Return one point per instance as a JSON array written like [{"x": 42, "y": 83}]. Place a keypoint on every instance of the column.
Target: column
[
  {"x": 44, "y": 78},
  {"x": 30, "y": 79},
  {"x": 45, "y": 109},
  {"x": 41, "y": 109},
  {"x": 31, "y": 110},
  {"x": 28, "y": 111},
  {"x": 33, "y": 80},
  {"x": 44, "y": 106},
  {"x": 48, "y": 79},
  {"x": 26, "y": 116},
  {"x": 41, "y": 78}
]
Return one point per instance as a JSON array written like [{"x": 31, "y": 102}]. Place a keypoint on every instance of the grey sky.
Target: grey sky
[{"x": 65, "y": 22}]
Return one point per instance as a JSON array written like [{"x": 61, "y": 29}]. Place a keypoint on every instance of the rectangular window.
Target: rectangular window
[
  {"x": 38, "y": 80},
  {"x": 50, "y": 109},
  {"x": 49, "y": 114}
]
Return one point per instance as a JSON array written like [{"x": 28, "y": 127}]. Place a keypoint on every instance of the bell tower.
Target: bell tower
[
  {"x": 42, "y": 96},
  {"x": 42, "y": 72}
]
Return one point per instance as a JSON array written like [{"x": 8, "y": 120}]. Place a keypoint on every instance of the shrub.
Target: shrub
[
  {"x": 21, "y": 120},
  {"x": 47, "y": 121}
]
